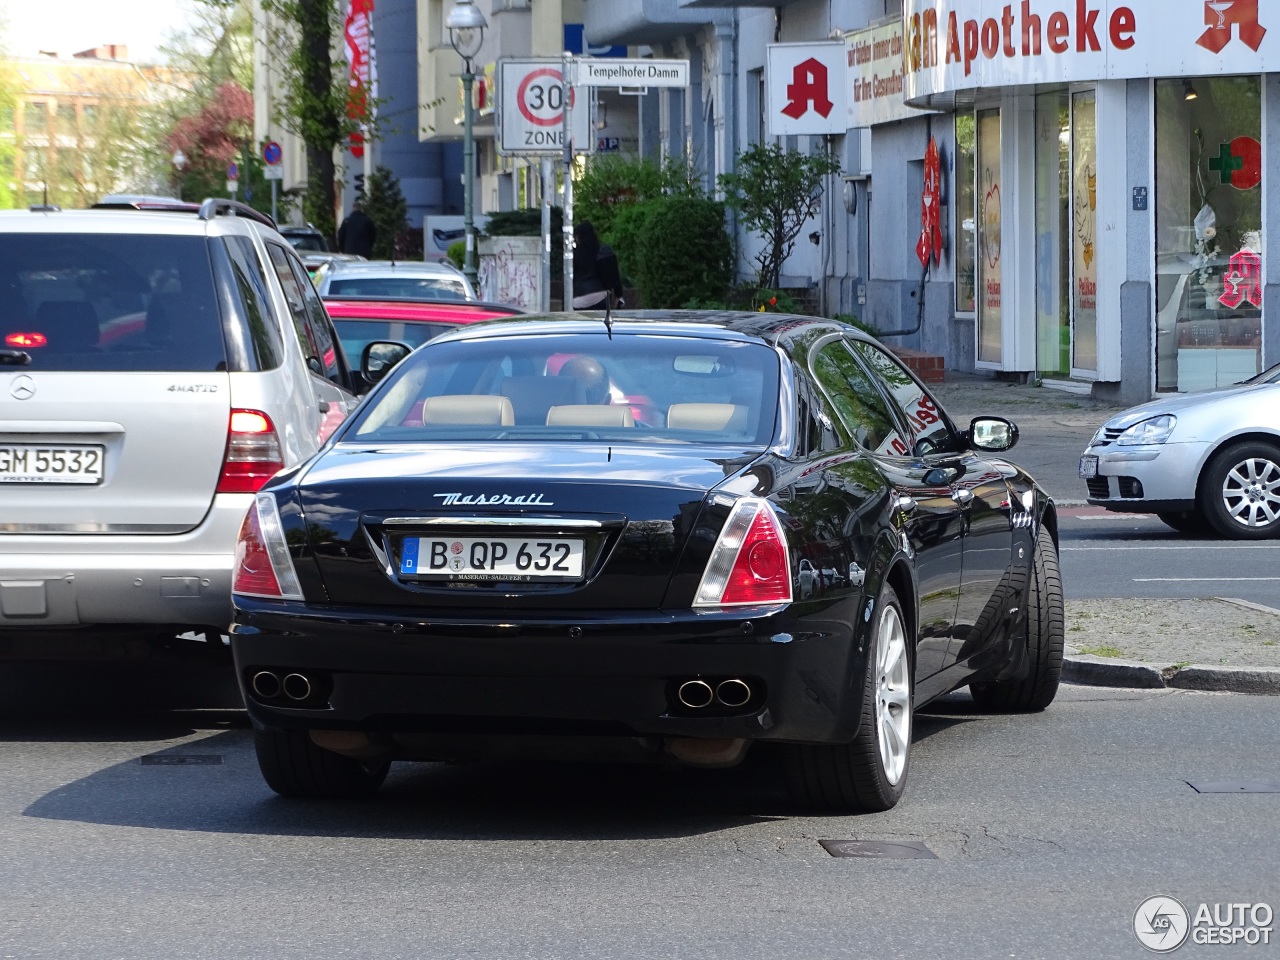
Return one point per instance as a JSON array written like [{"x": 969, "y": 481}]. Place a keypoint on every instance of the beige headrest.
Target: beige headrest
[
  {"x": 465, "y": 409},
  {"x": 590, "y": 415},
  {"x": 728, "y": 417}
]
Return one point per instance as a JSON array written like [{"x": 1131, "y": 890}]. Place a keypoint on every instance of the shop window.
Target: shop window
[
  {"x": 966, "y": 214},
  {"x": 1053, "y": 233},
  {"x": 1209, "y": 231},
  {"x": 1084, "y": 231},
  {"x": 988, "y": 197}
]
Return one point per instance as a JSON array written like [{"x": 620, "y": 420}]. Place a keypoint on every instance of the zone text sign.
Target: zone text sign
[
  {"x": 613, "y": 72},
  {"x": 531, "y": 109}
]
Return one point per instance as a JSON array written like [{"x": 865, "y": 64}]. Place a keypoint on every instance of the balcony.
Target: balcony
[{"x": 633, "y": 22}]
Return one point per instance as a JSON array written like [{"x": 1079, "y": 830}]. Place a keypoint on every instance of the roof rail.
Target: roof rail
[
  {"x": 45, "y": 208},
  {"x": 214, "y": 207}
]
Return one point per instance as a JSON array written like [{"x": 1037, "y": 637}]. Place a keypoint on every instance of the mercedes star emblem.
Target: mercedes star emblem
[{"x": 23, "y": 388}]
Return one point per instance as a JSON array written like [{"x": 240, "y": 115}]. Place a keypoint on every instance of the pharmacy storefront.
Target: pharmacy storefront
[{"x": 1111, "y": 180}]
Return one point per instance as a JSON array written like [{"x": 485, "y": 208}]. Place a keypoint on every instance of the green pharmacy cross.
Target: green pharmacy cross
[{"x": 1226, "y": 162}]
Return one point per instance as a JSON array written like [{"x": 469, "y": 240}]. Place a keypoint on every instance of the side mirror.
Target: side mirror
[
  {"x": 379, "y": 357},
  {"x": 993, "y": 434}
]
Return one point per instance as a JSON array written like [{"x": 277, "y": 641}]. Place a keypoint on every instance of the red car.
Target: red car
[{"x": 361, "y": 321}]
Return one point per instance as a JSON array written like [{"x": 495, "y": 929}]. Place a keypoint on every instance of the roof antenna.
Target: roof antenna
[{"x": 608, "y": 314}]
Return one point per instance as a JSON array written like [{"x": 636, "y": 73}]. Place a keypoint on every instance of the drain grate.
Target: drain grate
[
  {"x": 181, "y": 759},
  {"x": 879, "y": 849},
  {"x": 1234, "y": 786}
]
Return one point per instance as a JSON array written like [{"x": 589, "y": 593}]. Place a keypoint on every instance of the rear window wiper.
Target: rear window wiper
[{"x": 14, "y": 358}]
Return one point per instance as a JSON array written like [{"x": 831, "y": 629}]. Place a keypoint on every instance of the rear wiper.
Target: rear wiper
[{"x": 14, "y": 358}]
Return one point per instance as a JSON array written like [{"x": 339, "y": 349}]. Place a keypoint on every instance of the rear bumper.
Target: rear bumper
[
  {"x": 593, "y": 677},
  {"x": 180, "y": 580}
]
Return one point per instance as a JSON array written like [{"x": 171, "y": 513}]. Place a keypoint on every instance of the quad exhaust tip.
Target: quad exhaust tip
[
  {"x": 265, "y": 684},
  {"x": 696, "y": 694},
  {"x": 296, "y": 687}
]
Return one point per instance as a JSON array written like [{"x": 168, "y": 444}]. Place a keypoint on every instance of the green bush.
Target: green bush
[
  {"x": 683, "y": 253},
  {"x": 613, "y": 183},
  {"x": 457, "y": 253}
]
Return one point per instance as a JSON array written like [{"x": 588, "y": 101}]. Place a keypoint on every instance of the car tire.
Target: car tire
[
  {"x": 293, "y": 766},
  {"x": 1192, "y": 523},
  {"x": 1045, "y": 635},
  {"x": 1243, "y": 480},
  {"x": 870, "y": 772}
]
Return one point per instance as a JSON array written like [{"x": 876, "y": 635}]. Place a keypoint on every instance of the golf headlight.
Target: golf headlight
[{"x": 1155, "y": 430}]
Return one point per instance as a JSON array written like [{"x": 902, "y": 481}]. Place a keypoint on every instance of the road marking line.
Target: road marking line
[
  {"x": 1202, "y": 579},
  {"x": 1181, "y": 546}
]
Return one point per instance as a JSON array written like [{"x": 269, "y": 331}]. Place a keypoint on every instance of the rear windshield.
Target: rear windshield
[
  {"x": 628, "y": 388},
  {"x": 408, "y": 288},
  {"x": 109, "y": 302},
  {"x": 356, "y": 334},
  {"x": 307, "y": 242}
]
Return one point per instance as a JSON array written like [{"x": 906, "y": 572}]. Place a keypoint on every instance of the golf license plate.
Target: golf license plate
[
  {"x": 492, "y": 558},
  {"x": 1088, "y": 467},
  {"x": 50, "y": 463}
]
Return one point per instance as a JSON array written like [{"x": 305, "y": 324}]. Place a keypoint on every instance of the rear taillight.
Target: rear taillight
[
  {"x": 26, "y": 340},
  {"x": 263, "y": 565},
  {"x": 253, "y": 453},
  {"x": 749, "y": 564}
]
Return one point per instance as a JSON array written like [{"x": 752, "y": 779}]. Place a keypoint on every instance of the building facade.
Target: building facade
[{"x": 1106, "y": 174}]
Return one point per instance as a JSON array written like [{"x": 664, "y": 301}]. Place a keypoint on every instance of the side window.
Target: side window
[
  {"x": 931, "y": 433},
  {"x": 297, "y": 307},
  {"x": 255, "y": 298},
  {"x": 857, "y": 402},
  {"x": 321, "y": 326}
]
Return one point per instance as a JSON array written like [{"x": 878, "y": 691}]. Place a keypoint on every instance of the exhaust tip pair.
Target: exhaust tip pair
[
  {"x": 268, "y": 685},
  {"x": 696, "y": 694}
]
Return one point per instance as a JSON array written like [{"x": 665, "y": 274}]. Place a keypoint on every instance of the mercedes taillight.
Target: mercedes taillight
[{"x": 253, "y": 453}]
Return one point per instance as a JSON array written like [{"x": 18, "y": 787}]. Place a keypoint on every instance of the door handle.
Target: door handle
[
  {"x": 905, "y": 504},
  {"x": 962, "y": 496}
]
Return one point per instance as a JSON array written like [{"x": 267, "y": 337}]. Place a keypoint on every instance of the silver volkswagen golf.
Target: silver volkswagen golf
[
  {"x": 1203, "y": 462},
  {"x": 156, "y": 368}
]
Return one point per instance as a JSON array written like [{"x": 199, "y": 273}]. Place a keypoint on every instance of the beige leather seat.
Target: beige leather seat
[
  {"x": 468, "y": 410},
  {"x": 722, "y": 417},
  {"x": 590, "y": 415}
]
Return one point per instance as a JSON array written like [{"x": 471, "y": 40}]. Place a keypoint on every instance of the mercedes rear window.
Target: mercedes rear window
[
  {"x": 110, "y": 302},
  {"x": 624, "y": 388}
]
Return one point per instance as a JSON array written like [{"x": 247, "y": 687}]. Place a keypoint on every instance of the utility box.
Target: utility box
[{"x": 511, "y": 271}]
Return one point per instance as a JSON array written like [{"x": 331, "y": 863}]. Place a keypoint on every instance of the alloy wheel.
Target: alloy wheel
[
  {"x": 1251, "y": 492},
  {"x": 893, "y": 694}
]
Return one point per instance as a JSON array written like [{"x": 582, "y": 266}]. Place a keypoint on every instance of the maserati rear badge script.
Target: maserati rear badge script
[{"x": 483, "y": 500}]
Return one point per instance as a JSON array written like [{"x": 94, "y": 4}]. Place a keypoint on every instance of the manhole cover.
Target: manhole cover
[
  {"x": 181, "y": 759},
  {"x": 1234, "y": 786},
  {"x": 879, "y": 849}
]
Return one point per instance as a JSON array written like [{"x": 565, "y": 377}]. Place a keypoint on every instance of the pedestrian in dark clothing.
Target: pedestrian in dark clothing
[
  {"x": 596, "y": 277},
  {"x": 357, "y": 233}
]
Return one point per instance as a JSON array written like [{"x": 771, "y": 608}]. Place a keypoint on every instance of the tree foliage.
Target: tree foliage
[
  {"x": 8, "y": 149},
  {"x": 612, "y": 182},
  {"x": 315, "y": 93},
  {"x": 775, "y": 191},
  {"x": 389, "y": 211}
]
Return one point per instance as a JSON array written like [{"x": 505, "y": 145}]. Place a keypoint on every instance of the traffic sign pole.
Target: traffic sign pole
[
  {"x": 565, "y": 78},
  {"x": 548, "y": 188}
]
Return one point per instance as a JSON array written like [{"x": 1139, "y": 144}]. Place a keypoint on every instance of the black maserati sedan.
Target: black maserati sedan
[{"x": 652, "y": 537}]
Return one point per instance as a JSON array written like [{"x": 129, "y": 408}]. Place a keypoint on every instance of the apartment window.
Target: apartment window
[
  {"x": 35, "y": 116},
  {"x": 755, "y": 105}
]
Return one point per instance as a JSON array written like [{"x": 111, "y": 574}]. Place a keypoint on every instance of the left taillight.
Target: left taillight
[
  {"x": 749, "y": 563},
  {"x": 263, "y": 565},
  {"x": 253, "y": 453}
]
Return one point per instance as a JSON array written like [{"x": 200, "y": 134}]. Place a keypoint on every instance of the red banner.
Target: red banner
[
  {"x": 357, "y": 34},
  {"x": 930, "y": 243}
]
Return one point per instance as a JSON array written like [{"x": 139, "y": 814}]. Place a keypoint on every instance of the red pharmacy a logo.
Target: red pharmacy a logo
[
  {"x": 1220, "y": 16},
  {"x": 809, "y": 85}
]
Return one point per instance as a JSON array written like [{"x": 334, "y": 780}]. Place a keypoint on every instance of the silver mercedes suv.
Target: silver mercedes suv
[{"x": 156, "y": 368}]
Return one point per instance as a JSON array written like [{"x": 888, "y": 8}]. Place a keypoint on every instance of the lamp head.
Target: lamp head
[{"x": 466, "y": 25}]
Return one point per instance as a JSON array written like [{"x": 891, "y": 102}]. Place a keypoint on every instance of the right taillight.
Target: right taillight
[
  {"x": 253, "y": 453},
  {"x": 263, "y": 565},
  {"x": 749, "y": 563}
]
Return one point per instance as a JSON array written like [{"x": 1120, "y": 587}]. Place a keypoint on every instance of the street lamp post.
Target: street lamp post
[
  {"x": 179, "y": 163},
  {"x": 466, "y": 27}
]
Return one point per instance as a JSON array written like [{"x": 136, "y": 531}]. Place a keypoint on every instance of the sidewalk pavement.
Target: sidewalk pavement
[{"x": 1218, "y": 644}]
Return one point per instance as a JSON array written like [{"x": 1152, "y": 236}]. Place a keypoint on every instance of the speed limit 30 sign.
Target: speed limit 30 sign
[{"x": 531, "y": 109}]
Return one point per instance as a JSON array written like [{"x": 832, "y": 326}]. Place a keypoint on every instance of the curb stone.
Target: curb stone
[{"x": 1110, "y": 672}]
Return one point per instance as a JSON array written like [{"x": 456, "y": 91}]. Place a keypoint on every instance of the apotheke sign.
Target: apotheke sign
[{"x": 955, "y": 45}]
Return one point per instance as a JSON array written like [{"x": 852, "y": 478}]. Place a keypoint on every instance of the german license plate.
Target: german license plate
[
  {"x": 1088, "y": 467},
  {"x": 50, "y": 463},
  {"x": 492, "y": 558}
]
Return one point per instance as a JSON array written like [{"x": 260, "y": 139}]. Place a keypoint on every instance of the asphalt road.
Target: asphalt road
[
  {"x": 1049, "y": 830},
  {"x": 1114, "y": 555}
]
